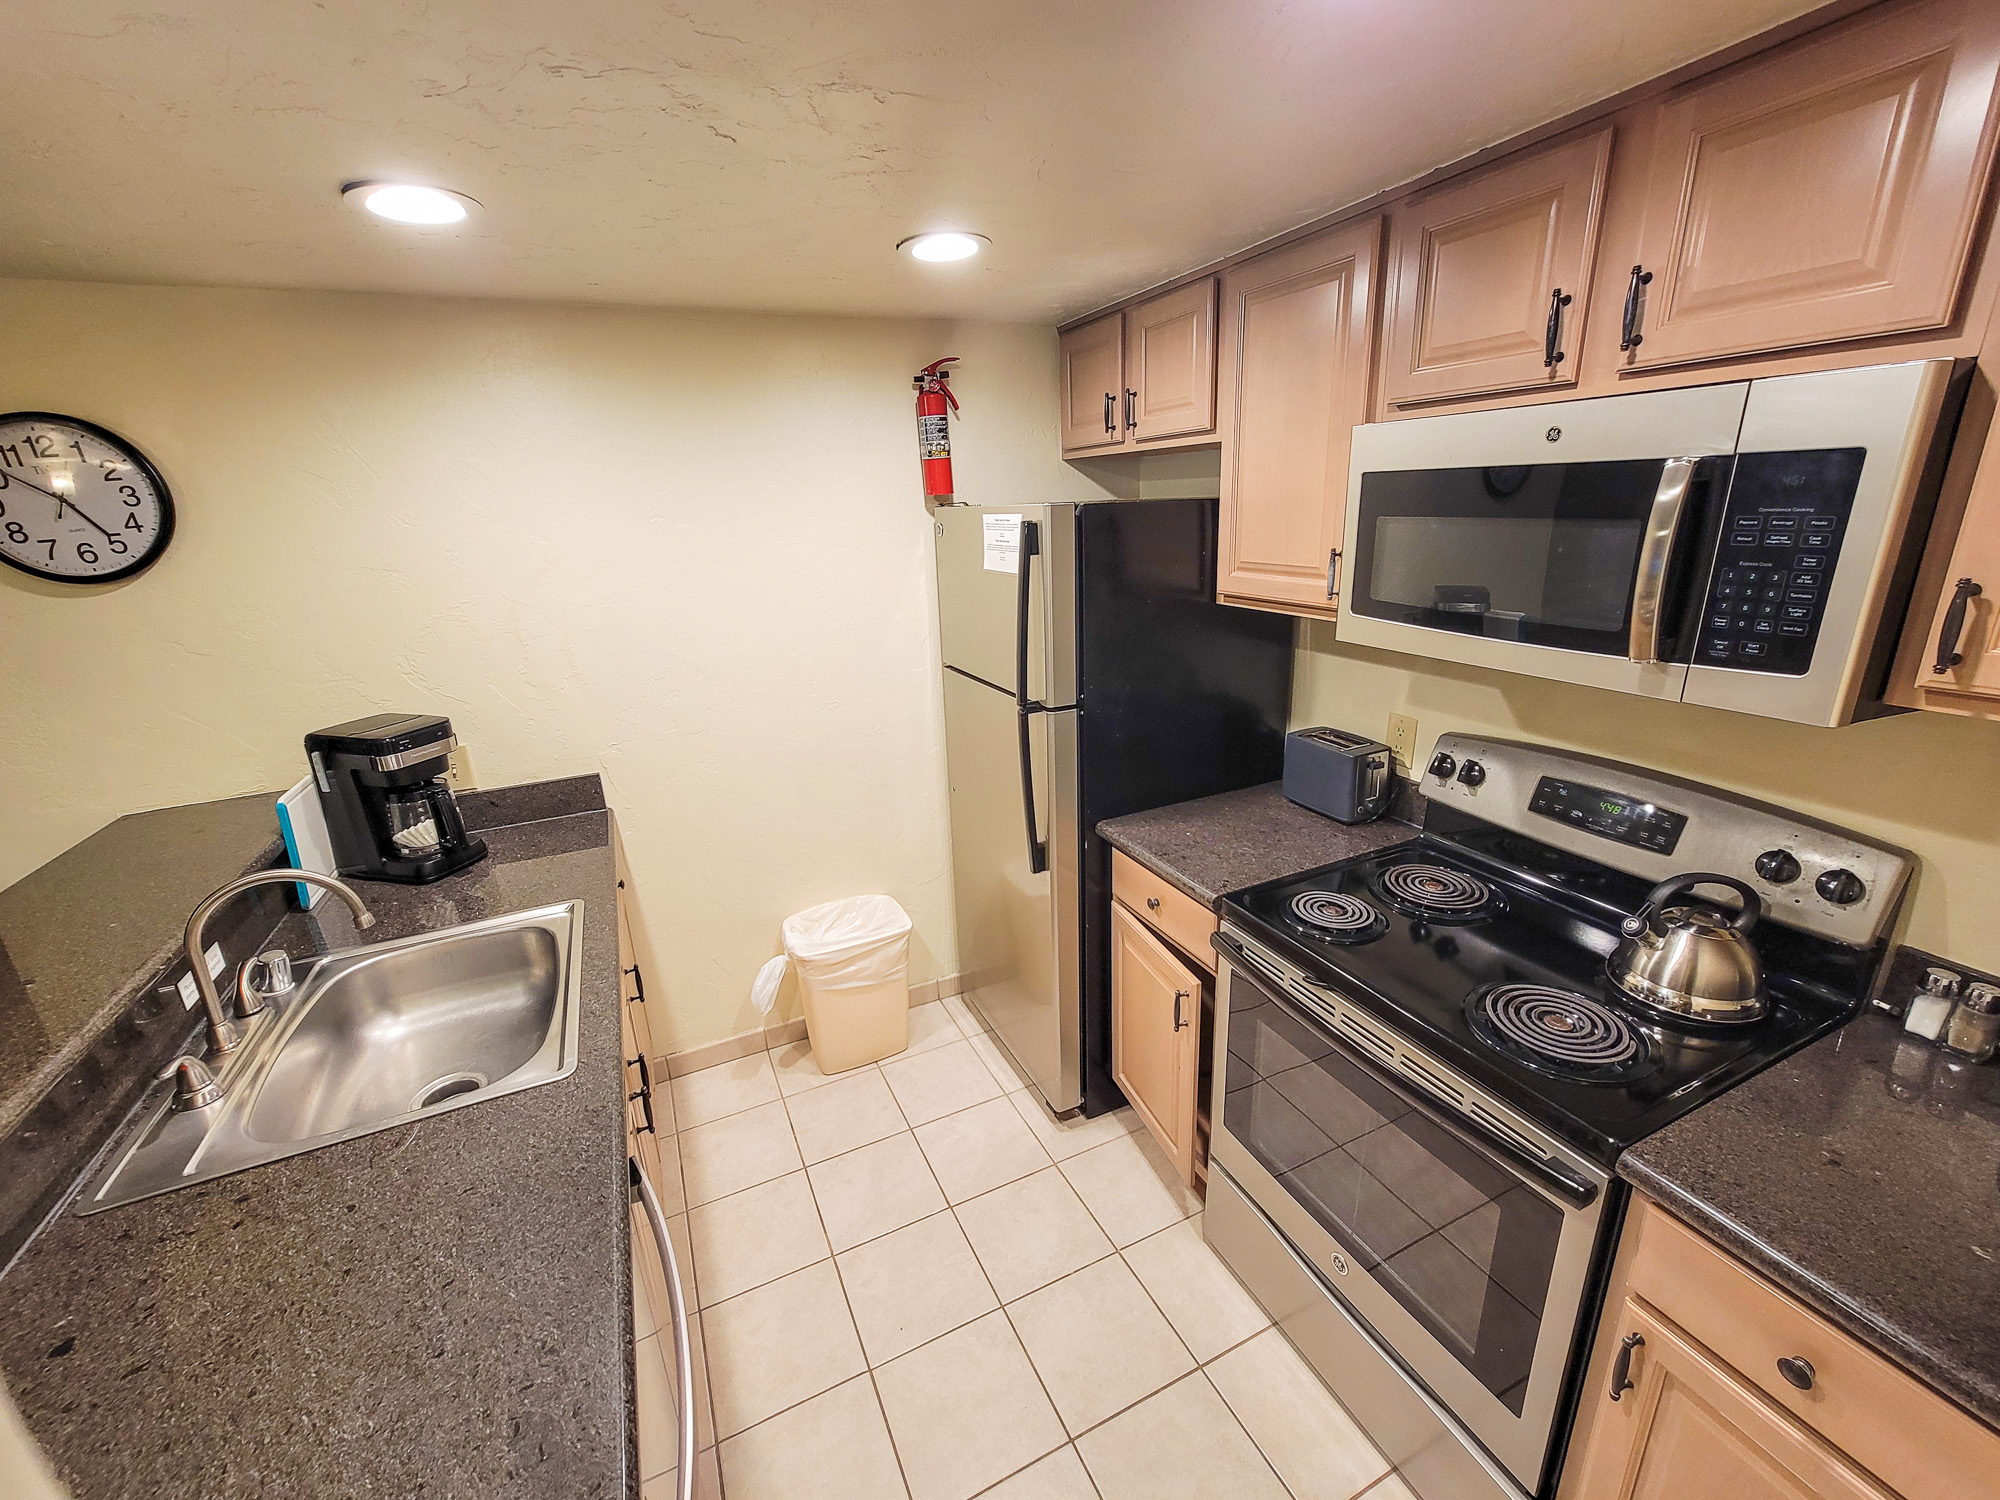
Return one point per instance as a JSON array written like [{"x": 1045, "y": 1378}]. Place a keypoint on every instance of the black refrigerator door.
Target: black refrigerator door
[{"x": 1181, "y": 697}]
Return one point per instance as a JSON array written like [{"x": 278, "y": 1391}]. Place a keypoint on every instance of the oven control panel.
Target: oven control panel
[
  {"x": 1781, "y": 535},
  {"x": 1610, "y": 815}
]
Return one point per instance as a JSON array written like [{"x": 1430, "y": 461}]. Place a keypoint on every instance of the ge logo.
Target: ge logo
[
  {"x": 1553, "y": 433},
  {"x": 1339, "y": 1262}
]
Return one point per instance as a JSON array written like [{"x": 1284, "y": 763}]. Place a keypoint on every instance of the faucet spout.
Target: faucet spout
[{"x": 223, "y": 1035}]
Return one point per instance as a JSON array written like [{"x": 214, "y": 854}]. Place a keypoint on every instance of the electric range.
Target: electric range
[{"x": 1425, "y": 1076}]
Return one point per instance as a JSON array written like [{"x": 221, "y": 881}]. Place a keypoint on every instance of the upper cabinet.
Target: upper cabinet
[
  {"x": 1824, "y": 191},
  {"x": 1491, "y": 276},
  {"x": 1296, "y": 341},
  {"x": 1092, "y": 364},
  {"x": 1958, "y": 668}
]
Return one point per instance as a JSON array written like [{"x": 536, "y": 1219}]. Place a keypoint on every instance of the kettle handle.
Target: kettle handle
[{"x": 1666, "y": 890}]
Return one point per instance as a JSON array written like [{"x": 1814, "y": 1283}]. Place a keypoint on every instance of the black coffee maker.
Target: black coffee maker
[{"x": 389, "y": 813}]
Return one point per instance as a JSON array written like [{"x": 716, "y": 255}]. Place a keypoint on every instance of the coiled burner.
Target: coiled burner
[
  {"x": 1339, "y": 917},
  {"x": 1559, "y": 1031},
  {"x": 1438, "y": 891}
]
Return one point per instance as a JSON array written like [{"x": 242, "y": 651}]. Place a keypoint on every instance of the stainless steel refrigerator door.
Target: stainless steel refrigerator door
[
  {"x": 979, "y": 596},
  {"x": 1018, "y": 939}
]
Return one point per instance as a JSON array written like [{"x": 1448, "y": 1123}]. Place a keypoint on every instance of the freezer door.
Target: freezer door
[
  {"x": 984, "y": 596},
  {"x": 1017, "y": 924}
]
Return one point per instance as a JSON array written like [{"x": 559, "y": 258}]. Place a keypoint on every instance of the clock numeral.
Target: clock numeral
[
  {"x": 111, "y": 474},
  {"x": 41, "y": 445},
  {"x": 85, "y": 552},
  {"x": 117, "y": 544},
  {"x": 10, "y": 453},
  {"x": 77, "y": 448},
  {"x": 131, "y": 495},
  {"x": 48, "y": 542},
  {"x": 17, "y": 533},
  {"x": 132, "y": 523}
]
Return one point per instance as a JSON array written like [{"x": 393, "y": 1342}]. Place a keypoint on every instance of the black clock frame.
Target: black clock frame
[{"x": 140, "y": 462}]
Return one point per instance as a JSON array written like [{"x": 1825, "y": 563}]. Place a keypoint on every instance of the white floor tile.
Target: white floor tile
[
  {"x": 832, "y": 1447},
  {"x": 940, "y": 1082},
  {"x": 1060, "y": 1476},
  {"x": 755, "y": 1236},
  {"x": 1063, "y": 1139},
  {"x": 773, "y": 1347},
  {"x": 1130, "y": 1188},
  {"x": 871, "y": 1191},
  {"x": 737, "y": 1152},
  {"x": 997, "y": 1062},
  {"x": 725, "y": 1089},
  {"x": 908, "y": 1287},
  {"x": 931, "y": 1027},
  {"x": 979, "y": 1149},
  {"x": 851, "y": 1111},
  {"x": 1030, "y": 1233},
  {"x": 966, "y": 1411},
  {"x": 1305, "y": 1434},
  {"x": 796, "y": 1070},
  {"x": 1098, "y": 1342},
  {"x": 1182, "y": 1444},
  {"x": 1199, "y": 1294}
]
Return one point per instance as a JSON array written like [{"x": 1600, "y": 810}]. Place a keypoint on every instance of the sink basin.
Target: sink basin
[{"x": 373, "y": 1037}]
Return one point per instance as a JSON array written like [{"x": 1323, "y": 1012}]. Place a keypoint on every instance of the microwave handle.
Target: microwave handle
[{"x": 1662, "y": 525}]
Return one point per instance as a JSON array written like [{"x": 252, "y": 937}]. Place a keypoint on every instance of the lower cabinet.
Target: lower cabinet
[
  {"x": 1162, "y": 1010},
  {"x": 1707, "y": 1380}
]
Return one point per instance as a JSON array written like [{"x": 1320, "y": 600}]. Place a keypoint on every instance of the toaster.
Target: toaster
[{"x": 1345, "y": 776}]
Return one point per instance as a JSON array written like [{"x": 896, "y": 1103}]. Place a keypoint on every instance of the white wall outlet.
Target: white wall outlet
[
  {"x": 1403, "y": 742},
  {"x": 458, "y": 770}
]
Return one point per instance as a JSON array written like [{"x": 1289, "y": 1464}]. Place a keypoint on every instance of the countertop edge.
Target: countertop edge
[{"x": 1141, "y": 855}]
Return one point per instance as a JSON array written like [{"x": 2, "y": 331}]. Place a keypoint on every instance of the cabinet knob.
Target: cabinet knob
[
  {"x": 1152, "y": 903},
  {"x": 1797, "y": 1372}
]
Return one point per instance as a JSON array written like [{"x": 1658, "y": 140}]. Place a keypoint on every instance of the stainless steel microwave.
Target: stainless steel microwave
[{"x": 1748, "y": 546}]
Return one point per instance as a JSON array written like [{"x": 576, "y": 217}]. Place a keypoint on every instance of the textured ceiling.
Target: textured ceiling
[{"x": 767, "y": 153}]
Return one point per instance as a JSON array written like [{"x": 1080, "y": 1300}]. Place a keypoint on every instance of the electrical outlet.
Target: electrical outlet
[
  {"x": 458, "y": 770},
  {"x": 1403, "y": 742}
]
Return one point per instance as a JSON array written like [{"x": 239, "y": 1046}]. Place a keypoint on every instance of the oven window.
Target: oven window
[
  {"x": 1545, "y": 553},
  {"x": 1461, "y": 1243}
]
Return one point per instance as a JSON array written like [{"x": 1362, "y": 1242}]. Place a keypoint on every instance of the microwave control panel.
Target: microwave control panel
[{"x": 1781, "y": 535}]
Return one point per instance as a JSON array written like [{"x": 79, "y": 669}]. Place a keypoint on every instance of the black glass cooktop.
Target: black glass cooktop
[{"x": 1505, "y": 979}]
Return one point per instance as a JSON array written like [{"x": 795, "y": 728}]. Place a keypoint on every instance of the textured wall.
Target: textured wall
[
  {"x": 1920, "y": 781},
  {"x": 684, "y": 549}
]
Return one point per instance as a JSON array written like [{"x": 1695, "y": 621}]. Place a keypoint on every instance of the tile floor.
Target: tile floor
[{"x": 909, "y": 1282}]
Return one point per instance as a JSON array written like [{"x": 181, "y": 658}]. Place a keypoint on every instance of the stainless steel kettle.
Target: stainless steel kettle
[{"x": 1693, "y": 960}]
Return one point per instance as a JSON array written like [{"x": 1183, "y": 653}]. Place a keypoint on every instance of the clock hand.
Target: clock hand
[{"x": 60, "y": 500}]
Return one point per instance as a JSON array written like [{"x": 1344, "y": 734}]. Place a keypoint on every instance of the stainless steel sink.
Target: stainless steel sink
[{"x": 370, "y": 1038}]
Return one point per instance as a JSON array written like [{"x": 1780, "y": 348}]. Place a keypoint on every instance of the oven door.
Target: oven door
[
  {"x": 1464, "y": 1255},
  {"x": 1566, "y": 541}
]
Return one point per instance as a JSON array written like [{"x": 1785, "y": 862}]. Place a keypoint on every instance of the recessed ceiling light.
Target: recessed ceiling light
[
  {"x": 409, "y": 202},
  {"x": 948, "y": 246}
]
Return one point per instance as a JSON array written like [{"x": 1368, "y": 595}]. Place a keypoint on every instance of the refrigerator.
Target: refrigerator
[{"x": 1087, "y": 673}]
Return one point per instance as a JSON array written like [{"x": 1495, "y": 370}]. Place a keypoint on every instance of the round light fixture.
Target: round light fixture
[
  {"x": 409, "y": 202},
  {"x": 950, "y": 245}
]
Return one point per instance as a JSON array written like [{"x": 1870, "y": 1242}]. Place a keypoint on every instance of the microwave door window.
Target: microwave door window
[{"x": 1545, "y": 554}]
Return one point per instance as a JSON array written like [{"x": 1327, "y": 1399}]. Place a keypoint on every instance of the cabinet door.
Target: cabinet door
[
  {"x": 1297, "y": 337},
  {"x": 1964, "y": 624},
  {"x": 1825, "y": 191},
  {"x": 1690, "y": 1427},
  {"x": 1155, "y": 1031},
  {"x": 1492, "y": 276},
  {"x": 1092, "y": 364},
  {"x": 1170, "y": 365}
]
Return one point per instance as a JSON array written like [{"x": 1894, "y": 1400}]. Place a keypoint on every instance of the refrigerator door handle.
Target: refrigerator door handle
[
  {"x": 1024, "y": 706},
  {"x": 1038, "y": 849}
]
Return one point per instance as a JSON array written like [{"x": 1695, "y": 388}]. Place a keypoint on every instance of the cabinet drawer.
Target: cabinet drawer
[
  {"x": 1900, "y": 1430},
  {"x": 1176, "y": 916}
]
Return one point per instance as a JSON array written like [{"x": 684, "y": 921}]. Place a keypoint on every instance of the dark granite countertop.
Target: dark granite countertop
[
  {"x": 82, "y": 932},
  {"x": 1860, "y": 1175},
  {"x": 1215, "y": 845},
  {"x": 442, "y": 1309}
]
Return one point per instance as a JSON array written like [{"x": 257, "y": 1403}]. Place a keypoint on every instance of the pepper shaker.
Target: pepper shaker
[
  {"x": 1931, "y": 1009},
  {"x": 1975, "y": 1026}
]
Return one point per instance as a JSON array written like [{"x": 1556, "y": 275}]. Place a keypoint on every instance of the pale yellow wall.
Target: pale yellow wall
[
  {"x": 1921, "y": 781},
  {"x": 687, "y": 550}
]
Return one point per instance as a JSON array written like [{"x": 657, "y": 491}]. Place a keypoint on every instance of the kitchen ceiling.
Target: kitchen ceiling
[{"x": 768, "y": 153}]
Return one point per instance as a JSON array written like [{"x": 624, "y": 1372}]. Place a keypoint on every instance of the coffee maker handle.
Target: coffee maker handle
[{"x": 1666, "y": 890}]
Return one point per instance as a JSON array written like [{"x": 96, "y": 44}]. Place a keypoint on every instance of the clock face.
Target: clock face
[{"x": 78, "y": 504}]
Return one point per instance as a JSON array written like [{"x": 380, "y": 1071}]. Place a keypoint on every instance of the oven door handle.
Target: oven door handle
[
  {"x": 1567, "y": 1185},
  {"x": 1663, "y": 523}
]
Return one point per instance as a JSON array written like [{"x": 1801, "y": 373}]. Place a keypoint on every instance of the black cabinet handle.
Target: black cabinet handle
[
  {"x": 1131, "y": 408},
  {"x": 1552, "y": 336},
  {"x": 1797, "y": 1372},
  {"x": 1179, "y": 1020},
  {"x": 1110, "y": 405},
  {"x": 1332, "y": 570},
  {"x": 1024, "y": 706},
  {"x": 645, "y": 1094},
  {"x": 1632, "y": 338},
  {"x": 1621, "y": 1370},
  {"x": 638, "y": 984},
  {"x": 1948, "y": 655}
]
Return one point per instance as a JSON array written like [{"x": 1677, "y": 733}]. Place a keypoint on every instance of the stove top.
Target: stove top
[{"x": 1488, "y": 949}]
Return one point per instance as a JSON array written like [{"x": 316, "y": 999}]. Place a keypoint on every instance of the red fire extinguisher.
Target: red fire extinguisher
[{"x": 933, "y": 436}]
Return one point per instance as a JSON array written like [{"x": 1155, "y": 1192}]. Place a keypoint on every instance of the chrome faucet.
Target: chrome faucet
[{"x": 223, "y": 1037}]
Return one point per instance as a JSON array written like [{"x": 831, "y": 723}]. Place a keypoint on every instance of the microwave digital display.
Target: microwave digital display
[{"x": 1609, "y": 815}]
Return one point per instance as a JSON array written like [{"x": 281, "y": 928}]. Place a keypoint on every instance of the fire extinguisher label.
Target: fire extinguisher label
[{"x": 933, "y": 441}]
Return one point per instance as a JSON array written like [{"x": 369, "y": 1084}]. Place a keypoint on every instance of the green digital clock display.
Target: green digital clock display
[{"x": 1607, "y": 815}]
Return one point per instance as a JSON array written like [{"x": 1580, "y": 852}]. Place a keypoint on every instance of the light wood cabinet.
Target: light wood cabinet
[
  {"x": 1170, "y": 366},
  {"x": 1155, "y": 1034},
  {"x": 1827, "y": 190},
  {"x": 1958, "y": 663},
  {"x": 1725, "y": 1385},
  {"x": 1091, "y": 364},
  {"x": 1491, "y": 276},
  {"x": 1297, "y": 333}
]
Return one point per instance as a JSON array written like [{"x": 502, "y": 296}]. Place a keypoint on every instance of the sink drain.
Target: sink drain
[{"x": 448, "y": 1087}]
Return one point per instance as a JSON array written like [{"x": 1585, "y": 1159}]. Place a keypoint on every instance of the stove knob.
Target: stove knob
[
  {"x": 1472, "y": 773},
  {"x": 1841, "y": 887},
  {"x": 1777, "y": 866},
  {"x": 1442, "y": 765}
]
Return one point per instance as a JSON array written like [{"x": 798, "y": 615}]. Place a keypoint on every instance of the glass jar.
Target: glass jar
[{"x": 1975, "y": 1026}]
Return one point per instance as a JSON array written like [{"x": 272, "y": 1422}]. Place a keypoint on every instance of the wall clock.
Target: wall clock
[{"x": 78, "y": 504}]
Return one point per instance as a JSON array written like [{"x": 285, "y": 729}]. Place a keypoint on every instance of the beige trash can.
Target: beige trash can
[{"x": 853, "y": 958}]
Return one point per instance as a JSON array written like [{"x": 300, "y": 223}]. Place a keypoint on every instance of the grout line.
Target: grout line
[{"x": 1244, "y": 1428}]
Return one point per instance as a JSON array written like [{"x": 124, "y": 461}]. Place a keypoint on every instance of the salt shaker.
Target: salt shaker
[
  {"x": 1975, "y": 1025},
  {"x": 1931, "y": 1009}
]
